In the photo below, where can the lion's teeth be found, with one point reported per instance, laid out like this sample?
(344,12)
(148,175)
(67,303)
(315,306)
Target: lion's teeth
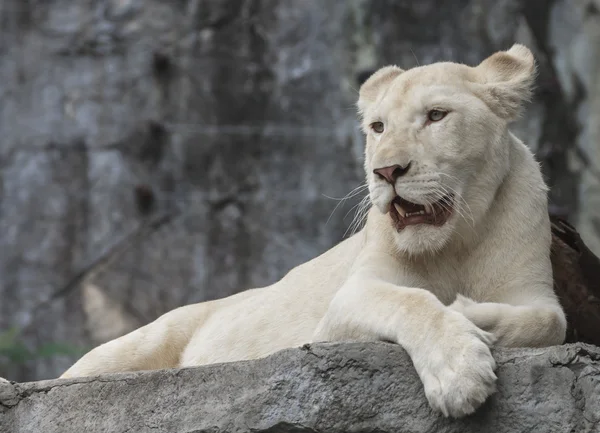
(428,208)
(419,212)
(400,210)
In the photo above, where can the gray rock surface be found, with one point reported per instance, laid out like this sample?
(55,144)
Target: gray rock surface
(330,388)
(157,153)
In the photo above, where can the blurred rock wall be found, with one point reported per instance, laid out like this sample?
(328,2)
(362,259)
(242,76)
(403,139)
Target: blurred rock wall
(156,153)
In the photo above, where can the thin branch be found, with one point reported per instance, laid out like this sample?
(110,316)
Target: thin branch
(108,256)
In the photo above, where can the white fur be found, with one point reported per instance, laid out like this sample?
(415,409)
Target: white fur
(444,293)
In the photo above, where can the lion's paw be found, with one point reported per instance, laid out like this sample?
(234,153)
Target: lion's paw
(458,373)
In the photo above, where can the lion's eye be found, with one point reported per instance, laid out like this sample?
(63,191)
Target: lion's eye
(377,127)
(436,115)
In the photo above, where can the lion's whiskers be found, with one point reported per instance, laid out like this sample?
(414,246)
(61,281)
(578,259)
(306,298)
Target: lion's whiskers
(463,201)
(363,209)
(439,195)
(359,189)
(438,192)
(461,205)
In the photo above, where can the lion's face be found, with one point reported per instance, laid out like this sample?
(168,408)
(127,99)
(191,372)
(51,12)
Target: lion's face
(436,147)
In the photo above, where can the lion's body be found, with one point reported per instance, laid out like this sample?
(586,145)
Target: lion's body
(444,292)
(262,321)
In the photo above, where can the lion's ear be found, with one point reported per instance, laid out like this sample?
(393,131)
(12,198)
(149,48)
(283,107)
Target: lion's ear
(505,80)
(375,84)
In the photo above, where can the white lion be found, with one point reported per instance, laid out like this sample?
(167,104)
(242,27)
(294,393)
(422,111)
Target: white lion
(454,255)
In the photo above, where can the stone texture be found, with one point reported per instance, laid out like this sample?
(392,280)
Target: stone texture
(209,106)
(157,153)
(320,388)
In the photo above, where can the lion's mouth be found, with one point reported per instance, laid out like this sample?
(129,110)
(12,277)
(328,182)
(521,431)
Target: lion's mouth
(405,213)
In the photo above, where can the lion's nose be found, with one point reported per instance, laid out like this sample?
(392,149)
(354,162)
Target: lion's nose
(391,173)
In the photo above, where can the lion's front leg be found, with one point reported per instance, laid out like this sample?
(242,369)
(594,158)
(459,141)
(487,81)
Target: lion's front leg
(537,324)
(450,354)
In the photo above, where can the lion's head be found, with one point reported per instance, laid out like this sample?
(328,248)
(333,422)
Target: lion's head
(437,144)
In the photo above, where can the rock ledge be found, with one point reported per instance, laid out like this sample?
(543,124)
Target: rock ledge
(358,387)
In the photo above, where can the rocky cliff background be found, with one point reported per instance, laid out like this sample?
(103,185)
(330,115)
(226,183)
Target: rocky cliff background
(157,153)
